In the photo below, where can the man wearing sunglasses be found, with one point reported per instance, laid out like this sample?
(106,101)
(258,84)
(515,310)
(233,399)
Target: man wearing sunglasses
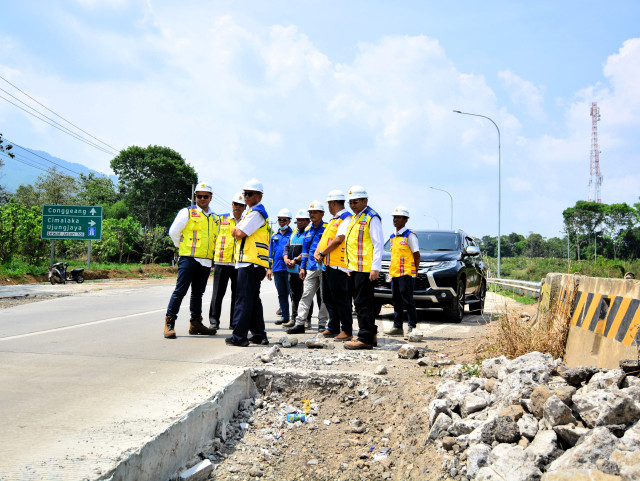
(193,232)
(278,269)
(224,269)
(252,260)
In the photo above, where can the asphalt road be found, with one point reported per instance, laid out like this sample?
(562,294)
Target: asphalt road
(89,377)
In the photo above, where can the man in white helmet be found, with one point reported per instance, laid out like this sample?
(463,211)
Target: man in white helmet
(224,269)
(278,269)
(193,232)
(364,244)
(293,258)
(405,261)
(335,280)
(311,272)
(252,260)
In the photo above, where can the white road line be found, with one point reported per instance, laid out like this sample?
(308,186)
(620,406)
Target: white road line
(76,326)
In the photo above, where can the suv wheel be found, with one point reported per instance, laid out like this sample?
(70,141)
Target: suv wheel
(455,311)
(477,307)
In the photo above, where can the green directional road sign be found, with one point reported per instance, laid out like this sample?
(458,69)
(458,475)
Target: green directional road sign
(79,222)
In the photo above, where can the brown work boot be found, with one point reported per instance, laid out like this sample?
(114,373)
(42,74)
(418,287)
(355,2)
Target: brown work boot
(375,340)
(328,333)
(170,327)
(196,327)
(343,336)
(394,332)
(357,345)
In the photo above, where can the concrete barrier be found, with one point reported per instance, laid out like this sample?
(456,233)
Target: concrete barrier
(605,317)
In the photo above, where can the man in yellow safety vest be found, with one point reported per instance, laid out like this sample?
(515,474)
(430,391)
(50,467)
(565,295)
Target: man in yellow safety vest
(194,232)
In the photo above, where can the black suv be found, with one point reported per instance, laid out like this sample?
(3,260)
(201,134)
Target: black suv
(451,274)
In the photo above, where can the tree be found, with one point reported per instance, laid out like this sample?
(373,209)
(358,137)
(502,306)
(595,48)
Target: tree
(27,195)
(535,245)
(20,233)
(56,188)
(617,218)
(119,237)
(156,182)
(97,190)
(6,150)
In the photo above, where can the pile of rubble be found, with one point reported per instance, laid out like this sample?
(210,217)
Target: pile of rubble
(533,418)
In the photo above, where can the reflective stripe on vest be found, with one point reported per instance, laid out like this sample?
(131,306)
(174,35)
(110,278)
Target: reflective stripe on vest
(225,243)
(358,241)
(198,237)
(336,257)
(402,261)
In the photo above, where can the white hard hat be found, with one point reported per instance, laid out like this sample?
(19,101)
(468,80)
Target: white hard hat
(254,184)
(335,195)
(401,210)
(302,214)
(238,198)
(204,187)
(284,213)
(357,192)
(316,205)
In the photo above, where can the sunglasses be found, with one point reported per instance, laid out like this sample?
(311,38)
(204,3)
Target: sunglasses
(249,194)
(283,220)
(200,196)
(235,204)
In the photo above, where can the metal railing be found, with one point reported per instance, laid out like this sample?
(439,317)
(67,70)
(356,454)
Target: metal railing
(523,288)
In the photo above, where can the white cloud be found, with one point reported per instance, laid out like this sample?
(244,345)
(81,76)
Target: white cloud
(525,93)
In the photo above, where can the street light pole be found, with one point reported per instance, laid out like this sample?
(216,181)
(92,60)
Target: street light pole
(442,190)
(499,177)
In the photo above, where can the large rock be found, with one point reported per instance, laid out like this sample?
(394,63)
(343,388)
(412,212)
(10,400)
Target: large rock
(454,392)
(463,426)
(543,449)
(437,406)
(439,427)
(490,367)
(408,351)
(528,426)
(631,437)
(607,379)
(628,463)
(477,457)
(597,444)
(556,412)
(601,407)
(521,376)
(577,375)
(507,462)
(580,475)
(502,429)
(474,401)
(570,433)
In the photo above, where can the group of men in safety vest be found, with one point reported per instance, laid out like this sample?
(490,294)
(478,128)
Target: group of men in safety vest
(336,262)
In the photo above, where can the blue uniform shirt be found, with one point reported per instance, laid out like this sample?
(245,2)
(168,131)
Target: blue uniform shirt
(311,240)
(276,249)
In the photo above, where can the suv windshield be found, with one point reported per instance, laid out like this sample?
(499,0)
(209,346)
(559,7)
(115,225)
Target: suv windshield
(434,241)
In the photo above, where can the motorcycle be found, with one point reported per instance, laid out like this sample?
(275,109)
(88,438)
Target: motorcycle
(58,274)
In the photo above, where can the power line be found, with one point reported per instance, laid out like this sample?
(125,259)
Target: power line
(43,158)
(57,115)
(53,123)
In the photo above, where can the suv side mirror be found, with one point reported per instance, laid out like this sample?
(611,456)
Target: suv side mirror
(472,251)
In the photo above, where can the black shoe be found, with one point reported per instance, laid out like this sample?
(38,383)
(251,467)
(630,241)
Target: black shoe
(281,321)
(278,312)
(231,342)
(297,329)
(263,341)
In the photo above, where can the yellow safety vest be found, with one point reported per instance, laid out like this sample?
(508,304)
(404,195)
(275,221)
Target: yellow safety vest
(198,238)
(255,247)
(358,241)
(225,243)
(402,262)
(337,256)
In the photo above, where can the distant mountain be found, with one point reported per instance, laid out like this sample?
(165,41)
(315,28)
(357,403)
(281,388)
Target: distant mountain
(16,171)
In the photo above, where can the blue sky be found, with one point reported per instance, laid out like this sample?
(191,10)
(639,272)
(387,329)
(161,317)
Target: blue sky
(310,95)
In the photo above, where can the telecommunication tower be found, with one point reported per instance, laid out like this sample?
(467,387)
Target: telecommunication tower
(595,177)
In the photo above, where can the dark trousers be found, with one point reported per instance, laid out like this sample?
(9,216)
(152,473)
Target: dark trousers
(297,285)
(221,277)
(190,274)
(248,315)
(281,280)
(363,302)
(402,293)
(336,298)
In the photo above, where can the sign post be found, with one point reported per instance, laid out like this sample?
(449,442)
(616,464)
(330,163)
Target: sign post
(77,222)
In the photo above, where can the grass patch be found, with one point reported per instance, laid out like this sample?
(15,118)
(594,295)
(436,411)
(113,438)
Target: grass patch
(513,335)
(512,295)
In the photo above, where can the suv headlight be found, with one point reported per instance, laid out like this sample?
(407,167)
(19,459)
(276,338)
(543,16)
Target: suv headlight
(440,267)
